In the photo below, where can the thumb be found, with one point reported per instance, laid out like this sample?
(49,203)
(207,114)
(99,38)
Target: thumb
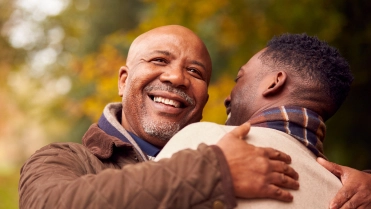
(332,167)
(242,130)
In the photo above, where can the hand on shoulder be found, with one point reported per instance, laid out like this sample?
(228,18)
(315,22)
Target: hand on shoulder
(356,190)
(257,172)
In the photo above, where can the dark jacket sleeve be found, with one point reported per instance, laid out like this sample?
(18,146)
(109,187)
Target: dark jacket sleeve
(62,176)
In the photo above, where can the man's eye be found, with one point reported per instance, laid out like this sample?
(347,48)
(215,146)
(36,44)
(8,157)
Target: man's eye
(238,77)
(195,73)
(159,61)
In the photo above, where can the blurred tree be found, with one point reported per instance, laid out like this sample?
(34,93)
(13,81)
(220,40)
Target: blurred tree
(87,61)
(88,22)
(349,138)
(10,111)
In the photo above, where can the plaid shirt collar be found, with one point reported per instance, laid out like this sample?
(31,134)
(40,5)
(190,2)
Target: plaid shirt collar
(301,123)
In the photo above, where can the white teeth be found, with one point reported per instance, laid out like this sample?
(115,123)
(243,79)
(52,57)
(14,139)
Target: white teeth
(167,101)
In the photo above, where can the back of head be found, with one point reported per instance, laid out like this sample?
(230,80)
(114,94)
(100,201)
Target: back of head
(318,70)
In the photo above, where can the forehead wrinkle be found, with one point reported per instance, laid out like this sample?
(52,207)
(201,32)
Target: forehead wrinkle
(179,34)
(164,52)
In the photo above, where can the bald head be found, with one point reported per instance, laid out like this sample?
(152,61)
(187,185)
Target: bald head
(164,83)
(183,37)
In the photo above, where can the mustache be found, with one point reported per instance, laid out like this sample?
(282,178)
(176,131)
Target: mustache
(169,88)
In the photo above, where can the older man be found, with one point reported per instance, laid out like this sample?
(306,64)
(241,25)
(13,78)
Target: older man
(163,88)
(287,91)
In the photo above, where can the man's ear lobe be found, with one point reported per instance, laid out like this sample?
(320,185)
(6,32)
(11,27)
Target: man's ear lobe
(123,74)
(275,86)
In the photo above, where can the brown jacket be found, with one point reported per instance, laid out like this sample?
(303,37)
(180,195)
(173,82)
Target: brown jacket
(105,172)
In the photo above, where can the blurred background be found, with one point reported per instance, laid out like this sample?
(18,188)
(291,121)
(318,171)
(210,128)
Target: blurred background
(59,62)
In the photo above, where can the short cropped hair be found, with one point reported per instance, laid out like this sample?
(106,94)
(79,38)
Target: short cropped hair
(313,60)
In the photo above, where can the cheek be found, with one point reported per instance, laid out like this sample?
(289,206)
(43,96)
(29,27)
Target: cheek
(133,94)
(143,74)
(233,95)
(137,81)
(201,94)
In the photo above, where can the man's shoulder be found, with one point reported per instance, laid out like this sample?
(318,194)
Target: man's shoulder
(64,155)
(209,132)
(193,135)
(203,124)
(62,149)
(214,129)
(66,146)
(209,127)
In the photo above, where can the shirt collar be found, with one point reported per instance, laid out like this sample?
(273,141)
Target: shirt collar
(147,147)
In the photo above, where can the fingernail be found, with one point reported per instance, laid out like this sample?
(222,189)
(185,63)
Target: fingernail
(297,176)
(333,206)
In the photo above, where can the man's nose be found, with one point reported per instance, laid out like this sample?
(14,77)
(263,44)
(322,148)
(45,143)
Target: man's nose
(227,101)
(177,76)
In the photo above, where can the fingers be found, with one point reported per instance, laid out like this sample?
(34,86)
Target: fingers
(283,181)
(277,193)
(356,189)
(236,135)
(332,167)
(356,201)
(346,199)
(281,167)
(351,199)
(342,199)
(343,195)
(283,176)
(241,131)
(278,155)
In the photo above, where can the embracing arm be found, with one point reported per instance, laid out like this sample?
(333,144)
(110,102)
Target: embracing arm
(57,177)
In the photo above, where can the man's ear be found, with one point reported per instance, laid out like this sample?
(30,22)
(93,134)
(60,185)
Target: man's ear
(276,84)
(123,74)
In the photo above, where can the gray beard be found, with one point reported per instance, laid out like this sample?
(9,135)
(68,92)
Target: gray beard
(160,129)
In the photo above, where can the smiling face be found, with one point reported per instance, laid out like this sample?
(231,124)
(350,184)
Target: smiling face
(164,83)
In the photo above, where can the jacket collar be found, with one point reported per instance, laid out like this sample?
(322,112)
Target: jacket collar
(100,138)
(100,143)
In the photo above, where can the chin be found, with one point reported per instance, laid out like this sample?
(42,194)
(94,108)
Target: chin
(162,130)
(231,122)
